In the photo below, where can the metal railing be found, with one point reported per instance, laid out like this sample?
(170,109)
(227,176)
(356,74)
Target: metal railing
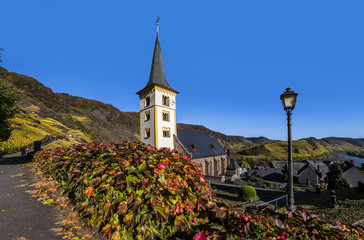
(276,201)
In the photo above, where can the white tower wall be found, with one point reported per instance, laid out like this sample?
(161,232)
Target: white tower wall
(156,123)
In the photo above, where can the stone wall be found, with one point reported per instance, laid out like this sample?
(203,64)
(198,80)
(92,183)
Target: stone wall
(180,148)
(213,166)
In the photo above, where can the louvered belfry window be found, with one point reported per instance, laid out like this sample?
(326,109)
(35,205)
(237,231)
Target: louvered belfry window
(165,100)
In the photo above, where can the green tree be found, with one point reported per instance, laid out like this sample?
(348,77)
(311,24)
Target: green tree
(8,100)
(0,54)
(336,180)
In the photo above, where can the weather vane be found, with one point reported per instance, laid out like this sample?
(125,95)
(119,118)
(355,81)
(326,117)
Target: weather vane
(158,18)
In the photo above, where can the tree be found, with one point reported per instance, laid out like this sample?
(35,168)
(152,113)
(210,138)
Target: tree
(336,180)
(8,100)
(0,54)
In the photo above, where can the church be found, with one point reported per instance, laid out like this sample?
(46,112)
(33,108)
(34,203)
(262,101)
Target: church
(158,126)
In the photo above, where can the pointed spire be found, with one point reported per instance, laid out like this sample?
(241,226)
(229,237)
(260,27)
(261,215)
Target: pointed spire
(158,18)
(157,75)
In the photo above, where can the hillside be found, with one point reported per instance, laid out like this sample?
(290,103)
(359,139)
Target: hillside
(43,113)
(303,149)
(226,140)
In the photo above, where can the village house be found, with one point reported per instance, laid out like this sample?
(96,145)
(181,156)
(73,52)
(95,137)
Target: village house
(353,176)
(316,171)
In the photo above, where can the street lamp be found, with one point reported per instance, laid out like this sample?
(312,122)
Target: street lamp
(288,99)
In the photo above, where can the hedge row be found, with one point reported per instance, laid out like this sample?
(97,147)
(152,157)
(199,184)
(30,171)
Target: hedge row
(132,191)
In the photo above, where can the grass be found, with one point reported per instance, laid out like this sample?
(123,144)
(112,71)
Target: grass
(350,206)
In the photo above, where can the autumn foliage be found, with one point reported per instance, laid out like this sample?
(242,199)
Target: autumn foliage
(132,191)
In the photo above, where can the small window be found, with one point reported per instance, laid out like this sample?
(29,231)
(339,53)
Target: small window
(212,146)
(165,100)
(194,147)
(166,132)
(147,101)
(147,116)
(165,116)
(147,133)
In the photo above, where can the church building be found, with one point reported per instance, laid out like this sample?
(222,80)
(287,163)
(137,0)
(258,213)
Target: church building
(158,126)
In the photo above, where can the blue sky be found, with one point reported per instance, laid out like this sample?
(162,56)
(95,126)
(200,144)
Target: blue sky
(230,60)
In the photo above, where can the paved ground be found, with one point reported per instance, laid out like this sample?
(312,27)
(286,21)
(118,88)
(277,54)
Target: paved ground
(22,217)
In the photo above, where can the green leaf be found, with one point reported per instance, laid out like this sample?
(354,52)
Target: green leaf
(48,201)
(141,168)
(132,178)
(140,192)
(173,199)
(160,211)
(122,208)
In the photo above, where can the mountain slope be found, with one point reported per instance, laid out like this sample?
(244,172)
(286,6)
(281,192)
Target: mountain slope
(92,119)
(307,148)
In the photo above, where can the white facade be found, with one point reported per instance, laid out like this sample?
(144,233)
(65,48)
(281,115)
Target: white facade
(161,122)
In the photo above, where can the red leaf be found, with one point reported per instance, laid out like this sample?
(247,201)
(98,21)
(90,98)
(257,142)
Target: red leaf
(96,181)
(90,191)
(200,236)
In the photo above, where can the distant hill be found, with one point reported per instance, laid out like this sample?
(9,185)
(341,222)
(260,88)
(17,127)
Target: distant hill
(63,120)
(303,149)
(226,140)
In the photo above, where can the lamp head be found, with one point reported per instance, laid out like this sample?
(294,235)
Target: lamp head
(288,99)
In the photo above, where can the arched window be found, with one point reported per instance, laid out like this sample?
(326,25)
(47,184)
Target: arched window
(147,101)
(166,132)
(165,115)
(206,168)
(147,133)
(147,115)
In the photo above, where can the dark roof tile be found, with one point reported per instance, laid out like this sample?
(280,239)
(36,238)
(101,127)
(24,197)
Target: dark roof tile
(203,143)
(157,75)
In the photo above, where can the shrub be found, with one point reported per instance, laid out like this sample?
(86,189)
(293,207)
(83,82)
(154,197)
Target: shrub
(129,190)
(248,194)
(133,191)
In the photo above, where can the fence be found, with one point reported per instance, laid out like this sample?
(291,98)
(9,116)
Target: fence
(276,201)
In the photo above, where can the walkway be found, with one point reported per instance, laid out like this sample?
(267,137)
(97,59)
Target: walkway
(22,217)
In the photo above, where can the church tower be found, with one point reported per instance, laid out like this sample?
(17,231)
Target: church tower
(158,106)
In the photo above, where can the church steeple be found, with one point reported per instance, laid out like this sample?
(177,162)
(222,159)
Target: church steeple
(157,75)
(158,124)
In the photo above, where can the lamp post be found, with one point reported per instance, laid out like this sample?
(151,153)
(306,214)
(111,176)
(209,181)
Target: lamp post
(288,99)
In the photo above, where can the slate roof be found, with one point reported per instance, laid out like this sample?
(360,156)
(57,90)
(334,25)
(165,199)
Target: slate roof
(157,75)
(305,167)
(268,174)
(203,143)
(353,175)
(297,166)
(320,167)
(278,164)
